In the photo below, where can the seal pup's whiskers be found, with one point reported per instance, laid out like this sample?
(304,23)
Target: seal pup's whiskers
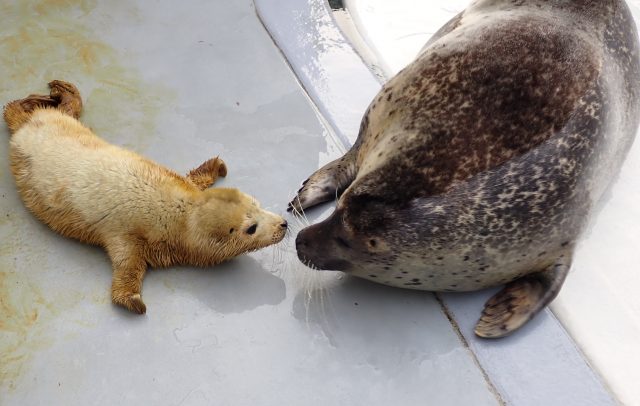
(300,213)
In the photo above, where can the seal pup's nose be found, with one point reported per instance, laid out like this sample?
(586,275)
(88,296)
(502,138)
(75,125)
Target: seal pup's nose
(284,224)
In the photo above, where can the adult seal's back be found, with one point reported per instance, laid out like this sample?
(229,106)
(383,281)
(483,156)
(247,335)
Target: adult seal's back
(480,162)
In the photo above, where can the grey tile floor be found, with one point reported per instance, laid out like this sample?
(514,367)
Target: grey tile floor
(180,83)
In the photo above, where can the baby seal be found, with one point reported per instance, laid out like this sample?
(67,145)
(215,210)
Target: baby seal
(140,212)
(480,162)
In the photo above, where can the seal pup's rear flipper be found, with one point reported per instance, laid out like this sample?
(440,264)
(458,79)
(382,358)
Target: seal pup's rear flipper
(326,183)
(67,96)
(63,96)
(18,112)
(520,300)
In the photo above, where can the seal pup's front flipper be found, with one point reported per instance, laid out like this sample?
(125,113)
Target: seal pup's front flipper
(520,300)
(206,174)
(129,267)
(326,183)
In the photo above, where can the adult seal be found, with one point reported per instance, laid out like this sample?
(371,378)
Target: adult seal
(480,162)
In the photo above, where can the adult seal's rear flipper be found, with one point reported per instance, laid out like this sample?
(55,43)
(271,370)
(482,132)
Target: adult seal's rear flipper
(520,300)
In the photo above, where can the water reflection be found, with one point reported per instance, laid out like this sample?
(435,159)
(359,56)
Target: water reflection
(236,286)
(396,340)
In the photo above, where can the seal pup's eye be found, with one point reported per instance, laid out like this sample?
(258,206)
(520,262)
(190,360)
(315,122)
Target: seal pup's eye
(251,230)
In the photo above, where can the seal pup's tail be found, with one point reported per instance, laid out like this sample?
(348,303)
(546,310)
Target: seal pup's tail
(63,96)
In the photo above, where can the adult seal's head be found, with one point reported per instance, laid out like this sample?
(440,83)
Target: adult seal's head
(480,162)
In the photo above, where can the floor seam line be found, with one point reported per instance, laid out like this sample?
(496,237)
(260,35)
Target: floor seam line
(456,328)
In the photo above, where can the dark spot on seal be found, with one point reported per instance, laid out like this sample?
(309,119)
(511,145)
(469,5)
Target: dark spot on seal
(343,243)
(413,284)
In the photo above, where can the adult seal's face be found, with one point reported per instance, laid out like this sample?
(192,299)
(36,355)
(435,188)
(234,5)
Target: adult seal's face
(341,242)
(324,245)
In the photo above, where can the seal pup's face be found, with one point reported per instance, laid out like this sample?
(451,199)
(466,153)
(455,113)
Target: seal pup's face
(228,222)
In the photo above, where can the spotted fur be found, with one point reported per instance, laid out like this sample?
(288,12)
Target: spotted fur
(480,162)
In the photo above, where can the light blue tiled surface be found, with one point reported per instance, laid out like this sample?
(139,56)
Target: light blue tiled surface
(181,82)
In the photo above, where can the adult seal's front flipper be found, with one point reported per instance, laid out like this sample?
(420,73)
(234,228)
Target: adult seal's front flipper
(326,183)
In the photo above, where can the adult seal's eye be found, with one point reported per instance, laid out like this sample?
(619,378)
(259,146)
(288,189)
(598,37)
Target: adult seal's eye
(252,230)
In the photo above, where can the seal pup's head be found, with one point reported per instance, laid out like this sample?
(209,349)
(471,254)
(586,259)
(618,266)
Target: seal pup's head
(226,222)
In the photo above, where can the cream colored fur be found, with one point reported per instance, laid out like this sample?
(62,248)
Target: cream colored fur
(139,211)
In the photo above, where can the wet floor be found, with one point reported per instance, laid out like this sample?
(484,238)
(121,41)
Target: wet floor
(180,84)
